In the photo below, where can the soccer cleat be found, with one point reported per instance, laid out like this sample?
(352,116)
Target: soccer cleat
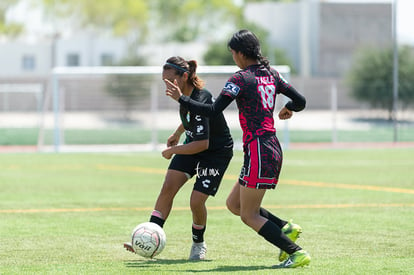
(129,247)
(292,231)
(198,251)
(297,259)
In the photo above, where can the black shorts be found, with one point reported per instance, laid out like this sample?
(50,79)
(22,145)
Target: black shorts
(208,168)
(262,163)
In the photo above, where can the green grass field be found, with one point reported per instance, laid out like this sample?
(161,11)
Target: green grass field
(70,214)
(130,135)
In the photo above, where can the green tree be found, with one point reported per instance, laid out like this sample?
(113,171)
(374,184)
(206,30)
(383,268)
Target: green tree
(129,89)
(119,16)
(159,20)
(127,18)
(6,28)
(218,53)
(371,78)
(188,20)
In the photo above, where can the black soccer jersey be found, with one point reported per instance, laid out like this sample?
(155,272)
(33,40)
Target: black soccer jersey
(199,127)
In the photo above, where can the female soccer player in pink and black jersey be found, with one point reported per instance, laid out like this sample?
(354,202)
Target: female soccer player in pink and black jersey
(254,88)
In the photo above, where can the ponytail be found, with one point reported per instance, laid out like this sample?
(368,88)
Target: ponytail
(193,78)
(264,61)
(181,66)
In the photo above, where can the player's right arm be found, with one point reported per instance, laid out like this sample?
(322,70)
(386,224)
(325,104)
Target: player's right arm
(190,148)
(175,137)
(199,130)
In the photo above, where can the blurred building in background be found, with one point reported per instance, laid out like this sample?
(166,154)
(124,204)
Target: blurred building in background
(320,37)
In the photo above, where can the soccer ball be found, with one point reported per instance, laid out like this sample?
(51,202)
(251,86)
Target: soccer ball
(148,239)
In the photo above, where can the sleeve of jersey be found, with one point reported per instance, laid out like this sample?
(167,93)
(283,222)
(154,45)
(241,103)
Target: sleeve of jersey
(209,110)
(297,101)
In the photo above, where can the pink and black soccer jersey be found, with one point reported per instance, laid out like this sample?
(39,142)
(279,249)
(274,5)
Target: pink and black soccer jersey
(254,89)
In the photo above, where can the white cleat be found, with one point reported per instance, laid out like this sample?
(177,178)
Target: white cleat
(198,251)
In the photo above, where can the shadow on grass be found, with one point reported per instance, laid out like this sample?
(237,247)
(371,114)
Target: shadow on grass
(158,262)
(152,262)
(231,268)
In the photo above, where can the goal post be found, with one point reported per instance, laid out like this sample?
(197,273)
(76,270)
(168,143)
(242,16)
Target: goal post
(84,90)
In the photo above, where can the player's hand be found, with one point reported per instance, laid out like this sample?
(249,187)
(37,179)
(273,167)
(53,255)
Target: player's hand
(285,113)
(172,90)
(166,153)
(173,140)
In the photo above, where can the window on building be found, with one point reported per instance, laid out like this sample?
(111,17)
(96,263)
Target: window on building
(72,60)
(107,59)
(28,62)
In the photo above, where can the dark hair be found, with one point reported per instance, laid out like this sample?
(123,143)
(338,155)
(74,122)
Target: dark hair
(248,44)
(181,66)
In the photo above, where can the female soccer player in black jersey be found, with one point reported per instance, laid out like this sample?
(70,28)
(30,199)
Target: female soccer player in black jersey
(254,88)
(206,153)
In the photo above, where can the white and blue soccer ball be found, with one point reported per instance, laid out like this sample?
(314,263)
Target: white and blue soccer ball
(148,239)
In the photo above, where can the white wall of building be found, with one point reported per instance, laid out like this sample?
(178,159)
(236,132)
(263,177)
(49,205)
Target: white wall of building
(24,59)
(90,51)
(292,27)
(21,58)
(157,54)
(89,48)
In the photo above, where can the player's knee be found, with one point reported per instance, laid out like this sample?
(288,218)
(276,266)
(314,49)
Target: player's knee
(195,204)
(170,188)
(233,207)
(248,217)
(198,200)
(245,219)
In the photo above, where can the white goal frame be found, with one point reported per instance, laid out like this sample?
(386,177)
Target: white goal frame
(59,73)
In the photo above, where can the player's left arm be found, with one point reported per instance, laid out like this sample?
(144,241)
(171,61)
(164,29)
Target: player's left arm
(205,109)
(297,101)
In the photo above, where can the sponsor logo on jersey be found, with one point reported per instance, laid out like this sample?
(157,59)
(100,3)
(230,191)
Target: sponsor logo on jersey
(189,133)
(232,88)
(200,128)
